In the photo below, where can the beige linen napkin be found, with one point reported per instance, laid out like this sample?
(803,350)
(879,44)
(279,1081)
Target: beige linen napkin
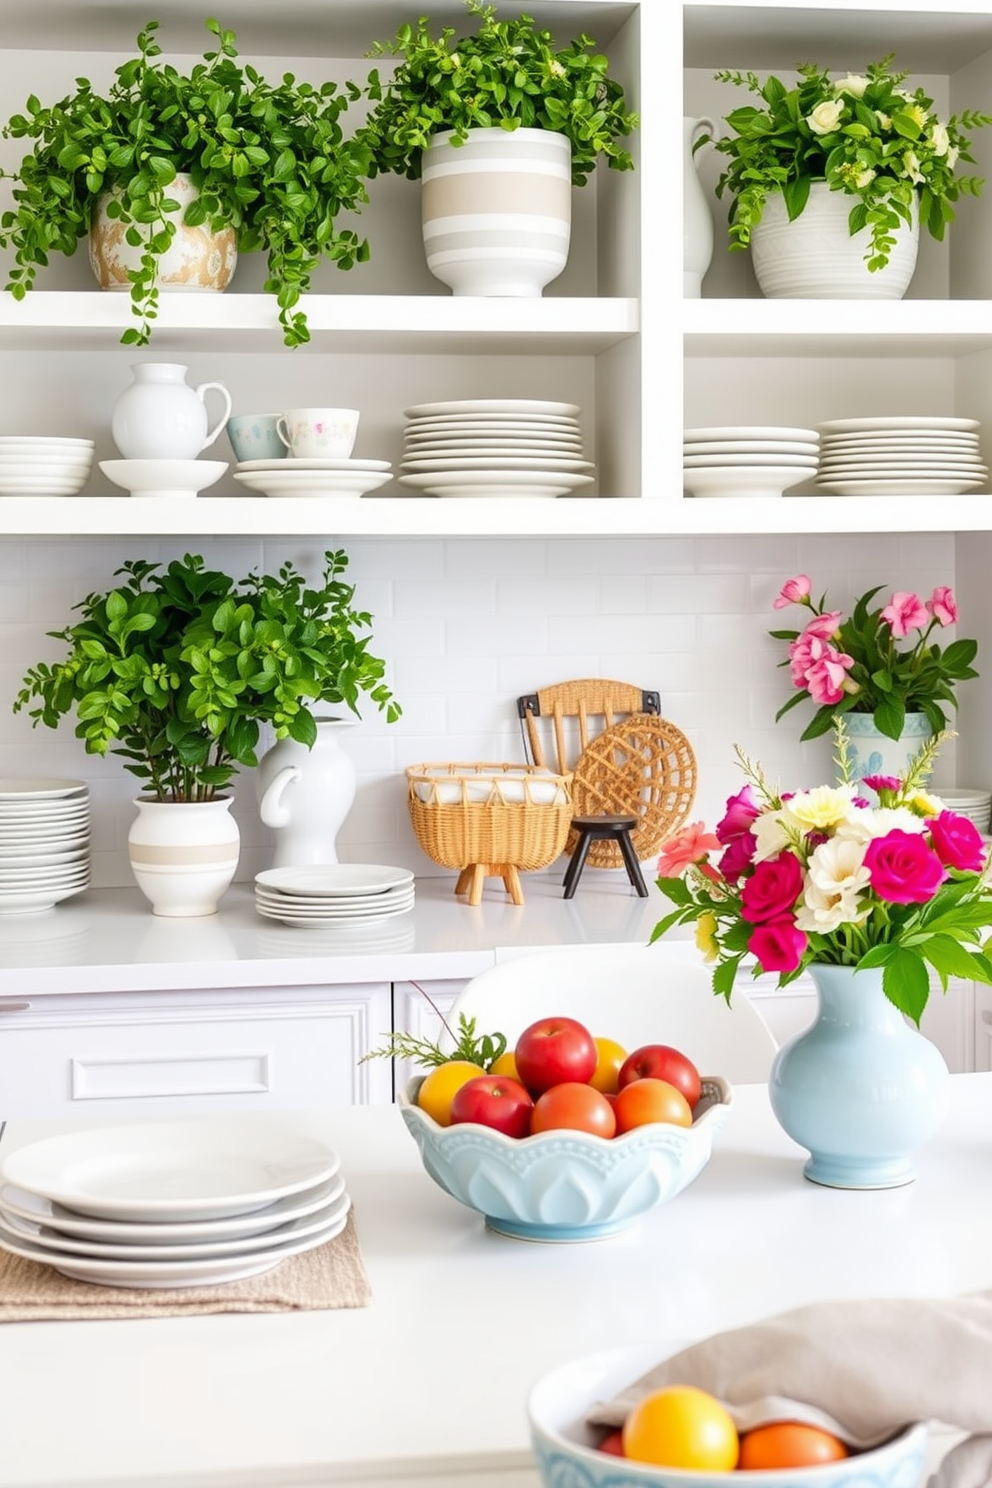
(332,1275)
(860,1369)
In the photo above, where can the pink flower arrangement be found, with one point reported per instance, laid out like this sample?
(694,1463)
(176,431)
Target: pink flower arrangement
(853,664)
(821,875)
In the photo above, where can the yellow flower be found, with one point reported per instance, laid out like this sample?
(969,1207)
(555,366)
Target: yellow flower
(706,941)
(923,803)
(822,807)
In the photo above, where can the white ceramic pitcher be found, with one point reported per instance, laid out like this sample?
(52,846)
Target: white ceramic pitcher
(160,417)
(305,794)
(697,219)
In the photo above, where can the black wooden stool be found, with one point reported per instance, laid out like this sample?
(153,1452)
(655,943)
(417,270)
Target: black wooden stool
(599,829)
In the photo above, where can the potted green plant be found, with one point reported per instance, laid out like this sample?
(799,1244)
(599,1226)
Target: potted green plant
(174,669)
(268,162)
(863,144)
(453,101)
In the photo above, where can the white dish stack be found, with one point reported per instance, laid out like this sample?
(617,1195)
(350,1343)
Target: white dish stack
(44,843)
(905,455)
(495,447)
(334,894)
(171,1204)
(44,465)
(298,476)
(747,461)
(976,805)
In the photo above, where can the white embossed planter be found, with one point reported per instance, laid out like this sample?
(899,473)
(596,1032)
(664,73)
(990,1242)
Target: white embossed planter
(183,854)
(816,258)
(497,210)
(197,259)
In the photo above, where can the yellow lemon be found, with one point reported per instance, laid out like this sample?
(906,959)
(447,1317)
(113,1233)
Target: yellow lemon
(438,1090)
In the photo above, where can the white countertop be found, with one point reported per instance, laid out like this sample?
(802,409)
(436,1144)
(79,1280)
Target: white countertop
(428,1384)
(113,942)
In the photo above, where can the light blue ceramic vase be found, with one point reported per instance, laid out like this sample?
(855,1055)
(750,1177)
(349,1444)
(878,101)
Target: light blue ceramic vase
(872,753)
(861,1088)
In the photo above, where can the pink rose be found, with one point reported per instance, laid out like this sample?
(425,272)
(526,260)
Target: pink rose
(741,811)
(957,842)
(738,856)
(794,591)
(772,889)
(825,678)
(687,847)
(943,606)
(905,612)
(777,945)
(903,869)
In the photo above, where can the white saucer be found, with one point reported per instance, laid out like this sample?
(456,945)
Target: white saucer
(171,479)
(500,462)
(906,487)
(897,421)
(715,462)
(752,431)
(499,483)
(743,480)
(515,406)
(292,482)
(291,463)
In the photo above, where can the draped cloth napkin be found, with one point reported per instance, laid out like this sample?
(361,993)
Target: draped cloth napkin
(862,1370)
(329,1276)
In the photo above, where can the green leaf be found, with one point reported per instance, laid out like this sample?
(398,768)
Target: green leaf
(905,982)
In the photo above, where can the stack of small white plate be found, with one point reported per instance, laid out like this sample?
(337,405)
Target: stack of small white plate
(976,805)
(495,447)
(171,1204)
(747,461)
(295,476)
(906,455)
(44,842)
(334,894)
(43,465)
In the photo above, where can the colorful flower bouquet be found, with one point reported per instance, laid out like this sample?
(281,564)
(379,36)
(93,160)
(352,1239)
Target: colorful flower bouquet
(819,875)
(854,664)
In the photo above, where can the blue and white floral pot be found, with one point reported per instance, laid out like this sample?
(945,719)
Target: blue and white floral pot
(862,1088)
(872,753)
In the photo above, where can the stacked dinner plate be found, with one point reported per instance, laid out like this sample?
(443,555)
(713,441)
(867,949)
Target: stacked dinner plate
(906,455)
(296,476)
(495,447)
(976,805)
(43,465)
(747,461)
(340,894)
(44,842)
(171,1204)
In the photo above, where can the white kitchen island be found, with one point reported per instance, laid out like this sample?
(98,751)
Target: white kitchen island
(427,1385)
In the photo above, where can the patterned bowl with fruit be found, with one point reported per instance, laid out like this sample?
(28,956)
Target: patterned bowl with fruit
(569,1450)
(566,1185)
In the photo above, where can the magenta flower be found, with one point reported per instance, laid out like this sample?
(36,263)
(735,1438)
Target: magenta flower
(881,783)
(905,612)
(943,606)
(772,889)
(957,842)
(738,856)
(777,945)
(825,678)
(740,812)
(794,591)
(903,869)
(689,846)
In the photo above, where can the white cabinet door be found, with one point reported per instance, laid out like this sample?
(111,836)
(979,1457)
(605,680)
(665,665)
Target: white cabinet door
(235,1049)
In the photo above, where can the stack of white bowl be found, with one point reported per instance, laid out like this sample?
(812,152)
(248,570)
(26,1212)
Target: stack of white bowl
(44,842)
(975,804)
(748,460)
(44,465)
(171,1204)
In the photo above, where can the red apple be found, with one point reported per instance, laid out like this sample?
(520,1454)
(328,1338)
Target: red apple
(553,1051)
(661,1062)
(496,1101)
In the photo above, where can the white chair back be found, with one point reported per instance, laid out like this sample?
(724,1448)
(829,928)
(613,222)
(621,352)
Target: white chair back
(636,994)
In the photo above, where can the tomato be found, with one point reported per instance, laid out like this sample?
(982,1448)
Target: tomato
(496,1101)
(505,1065)
(644,1101)
(681,1426)
(438,1089)
(575,1107)
(613,1443)
(789,1444)
(609,1057)
(554,1050)
(662,1062)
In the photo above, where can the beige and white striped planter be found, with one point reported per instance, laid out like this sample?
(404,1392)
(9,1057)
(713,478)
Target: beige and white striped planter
(497,210)
(196,259)
(183,854)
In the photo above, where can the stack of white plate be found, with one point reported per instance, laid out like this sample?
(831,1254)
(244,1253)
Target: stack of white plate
(43,465)
(906,455)
(495,447)
(174,1204)
(976,805)
(747,461)
(326,894)
(295,476)
(44,842)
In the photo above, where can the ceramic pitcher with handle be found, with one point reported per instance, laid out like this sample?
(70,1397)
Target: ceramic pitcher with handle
(305,794)
(160,417)
(697,219)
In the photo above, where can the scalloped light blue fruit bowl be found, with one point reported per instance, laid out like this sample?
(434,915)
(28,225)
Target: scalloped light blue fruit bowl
(566,1185)
(565,1448)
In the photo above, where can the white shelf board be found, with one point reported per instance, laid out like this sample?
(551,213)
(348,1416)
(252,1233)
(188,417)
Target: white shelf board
(876,328)
(103,516)
(93,320)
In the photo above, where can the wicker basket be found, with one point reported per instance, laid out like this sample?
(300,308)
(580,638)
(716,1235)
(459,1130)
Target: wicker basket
(489,820)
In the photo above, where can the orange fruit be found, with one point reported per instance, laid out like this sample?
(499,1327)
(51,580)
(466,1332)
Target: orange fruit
(789,1444)
(681,1426)
(438,1090)
(647,1100)
(609,1057)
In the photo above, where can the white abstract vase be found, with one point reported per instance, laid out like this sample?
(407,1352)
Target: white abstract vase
(697,219)
(815,257)
(305,794)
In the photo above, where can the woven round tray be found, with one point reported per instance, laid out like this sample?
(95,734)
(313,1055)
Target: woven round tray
(643,767)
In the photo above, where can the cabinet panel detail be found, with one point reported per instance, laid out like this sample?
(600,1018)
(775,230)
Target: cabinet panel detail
(240,1072)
